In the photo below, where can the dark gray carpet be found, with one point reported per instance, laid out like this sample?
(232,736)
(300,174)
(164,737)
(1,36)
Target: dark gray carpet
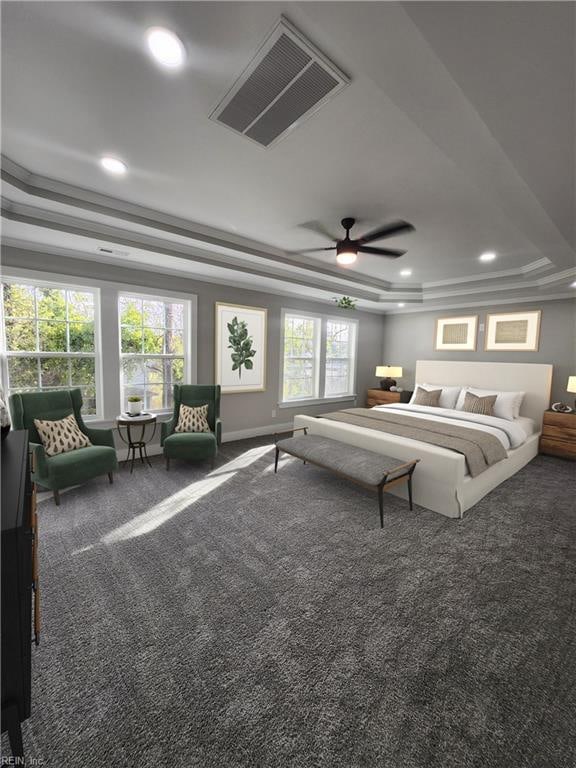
(270,622)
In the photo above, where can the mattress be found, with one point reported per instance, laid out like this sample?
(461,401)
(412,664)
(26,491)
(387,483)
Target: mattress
(511,434)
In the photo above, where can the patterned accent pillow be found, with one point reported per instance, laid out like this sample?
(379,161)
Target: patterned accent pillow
(427,397)
(192,419)
(483,405)
(61,436)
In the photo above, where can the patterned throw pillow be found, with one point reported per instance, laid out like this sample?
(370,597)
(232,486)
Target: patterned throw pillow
(192,419)
(61,436)
(427,397)
(483,405)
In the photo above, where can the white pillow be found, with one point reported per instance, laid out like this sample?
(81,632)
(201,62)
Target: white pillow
(448,397)
(507,405)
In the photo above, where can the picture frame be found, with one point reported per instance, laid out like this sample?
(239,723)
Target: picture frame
(513,331)
(456,334)
(240,348)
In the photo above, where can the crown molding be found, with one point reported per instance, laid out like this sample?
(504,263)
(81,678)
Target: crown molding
(537,300)
(232,253)
(78,197)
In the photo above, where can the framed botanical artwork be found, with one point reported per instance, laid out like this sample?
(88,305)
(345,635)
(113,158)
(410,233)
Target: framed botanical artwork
(240,348)
(513,331)
(456,334)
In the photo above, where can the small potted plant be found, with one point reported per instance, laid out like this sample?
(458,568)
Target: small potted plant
(134,405)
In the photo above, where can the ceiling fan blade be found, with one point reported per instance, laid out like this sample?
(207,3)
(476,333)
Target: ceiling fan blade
(392,253)
(313,250)
(394,228)
(318,228)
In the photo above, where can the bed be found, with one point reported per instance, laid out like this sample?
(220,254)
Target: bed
(442,482)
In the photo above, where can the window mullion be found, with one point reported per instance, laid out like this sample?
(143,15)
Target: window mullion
(322,358)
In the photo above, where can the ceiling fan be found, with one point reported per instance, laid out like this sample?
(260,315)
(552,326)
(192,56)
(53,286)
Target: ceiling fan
(347,249)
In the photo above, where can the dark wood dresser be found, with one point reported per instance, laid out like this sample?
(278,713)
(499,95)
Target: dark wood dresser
(384,396)
(559,435)
(20,587)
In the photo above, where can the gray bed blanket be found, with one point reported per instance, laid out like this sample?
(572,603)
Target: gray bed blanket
(480,449)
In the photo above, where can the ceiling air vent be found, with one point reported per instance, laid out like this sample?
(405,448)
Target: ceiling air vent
(112,251)
(285,82)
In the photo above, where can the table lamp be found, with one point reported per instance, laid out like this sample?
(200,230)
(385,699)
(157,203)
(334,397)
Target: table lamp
(388,371)
(571,387)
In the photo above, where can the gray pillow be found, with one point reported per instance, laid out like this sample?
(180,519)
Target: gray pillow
(483,405)
(427,397)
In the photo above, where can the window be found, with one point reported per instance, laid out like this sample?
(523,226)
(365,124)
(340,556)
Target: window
(319,357)
(50,339)
(340,357)
(153,340)
(301,347)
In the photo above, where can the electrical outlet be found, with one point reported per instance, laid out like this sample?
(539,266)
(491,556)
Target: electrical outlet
(273,414)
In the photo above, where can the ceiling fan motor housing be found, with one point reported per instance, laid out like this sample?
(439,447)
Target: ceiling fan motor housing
(346,246)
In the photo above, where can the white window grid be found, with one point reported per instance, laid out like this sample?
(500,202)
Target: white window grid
(125,388)
(41,355)
(308,362)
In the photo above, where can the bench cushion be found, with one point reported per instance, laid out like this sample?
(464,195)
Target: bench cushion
(359,464)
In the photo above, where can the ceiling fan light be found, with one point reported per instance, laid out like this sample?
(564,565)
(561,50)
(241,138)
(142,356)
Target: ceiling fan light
(346,257)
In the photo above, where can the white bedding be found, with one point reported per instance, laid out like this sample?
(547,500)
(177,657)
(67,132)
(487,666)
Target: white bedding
(511,434)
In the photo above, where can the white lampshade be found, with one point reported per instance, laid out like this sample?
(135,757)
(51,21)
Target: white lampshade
(391,371)
(571,386)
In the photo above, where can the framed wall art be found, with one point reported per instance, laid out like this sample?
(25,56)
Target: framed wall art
(240,348)
(513,331)
(456,334)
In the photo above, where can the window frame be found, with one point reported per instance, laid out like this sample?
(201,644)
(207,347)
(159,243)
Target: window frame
(108,328)
(186,341)
(320,397)
(317,319)
(353,358)
(96,355)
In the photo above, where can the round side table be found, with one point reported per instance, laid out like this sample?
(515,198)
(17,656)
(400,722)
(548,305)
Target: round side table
(143,421)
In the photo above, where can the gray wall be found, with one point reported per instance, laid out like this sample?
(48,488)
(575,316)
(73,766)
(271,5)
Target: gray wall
(410,337)
(239,411)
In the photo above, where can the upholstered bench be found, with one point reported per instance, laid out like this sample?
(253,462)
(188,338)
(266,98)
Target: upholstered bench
(367,468)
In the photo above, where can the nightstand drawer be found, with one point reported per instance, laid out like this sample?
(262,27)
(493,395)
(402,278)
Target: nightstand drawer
(558,431)
(561,448)
(560,419)
(381,397)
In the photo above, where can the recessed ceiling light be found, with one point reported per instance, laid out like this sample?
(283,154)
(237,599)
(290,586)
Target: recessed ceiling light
(166,47)
(113,165)
(401,304)
(406,273)
(573,285)
(488,256)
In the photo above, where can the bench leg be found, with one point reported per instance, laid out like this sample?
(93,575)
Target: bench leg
(410,491)
(276,460)
(381,504)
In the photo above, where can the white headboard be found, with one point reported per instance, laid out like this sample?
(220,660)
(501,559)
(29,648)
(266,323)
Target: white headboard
(533,378)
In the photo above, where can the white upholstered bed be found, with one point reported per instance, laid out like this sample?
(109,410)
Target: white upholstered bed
(441,482)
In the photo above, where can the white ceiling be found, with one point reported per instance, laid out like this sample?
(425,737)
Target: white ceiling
(459,118)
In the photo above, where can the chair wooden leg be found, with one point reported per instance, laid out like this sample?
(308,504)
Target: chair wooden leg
(167,463)
(213,462)
(57,498)
(111,477)
(410,490)
(276,460)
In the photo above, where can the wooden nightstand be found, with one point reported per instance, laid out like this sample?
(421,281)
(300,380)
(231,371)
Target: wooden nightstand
(559,435)
(384,397)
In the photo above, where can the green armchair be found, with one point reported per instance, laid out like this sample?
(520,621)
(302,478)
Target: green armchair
(73,467)
(194,446)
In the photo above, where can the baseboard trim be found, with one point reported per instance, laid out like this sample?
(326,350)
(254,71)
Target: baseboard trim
(242,434)
(155,449)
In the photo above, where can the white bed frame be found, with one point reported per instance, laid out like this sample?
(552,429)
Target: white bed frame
(440,481)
